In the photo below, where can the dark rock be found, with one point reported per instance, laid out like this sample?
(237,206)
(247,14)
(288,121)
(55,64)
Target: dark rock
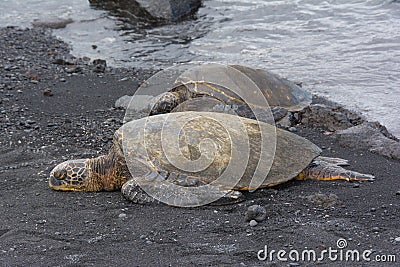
(173,10)
(330,117)
(99,65)
(150,10)
(256,212)
(73,69)
(123,102)
(64,61)
(372,136)
(32,75)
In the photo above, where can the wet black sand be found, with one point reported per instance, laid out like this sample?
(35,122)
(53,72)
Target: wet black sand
(41,227)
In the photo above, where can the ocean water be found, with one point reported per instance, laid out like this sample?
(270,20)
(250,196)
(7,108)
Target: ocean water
(346,50)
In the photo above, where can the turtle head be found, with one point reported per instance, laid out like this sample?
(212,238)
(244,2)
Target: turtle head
(71,175)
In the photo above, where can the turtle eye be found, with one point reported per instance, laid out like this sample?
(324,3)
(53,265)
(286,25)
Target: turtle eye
(59,174)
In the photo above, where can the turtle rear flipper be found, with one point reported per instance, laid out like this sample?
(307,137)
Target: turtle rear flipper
(324,171)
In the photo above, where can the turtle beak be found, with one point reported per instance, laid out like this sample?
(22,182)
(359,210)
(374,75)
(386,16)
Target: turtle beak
(69,176)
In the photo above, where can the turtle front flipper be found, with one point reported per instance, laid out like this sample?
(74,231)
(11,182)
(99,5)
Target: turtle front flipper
(132,191)
(324,171)
(279,113)
(180,191)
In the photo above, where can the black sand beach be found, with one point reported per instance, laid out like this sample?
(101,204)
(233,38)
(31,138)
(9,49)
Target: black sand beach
(54,107)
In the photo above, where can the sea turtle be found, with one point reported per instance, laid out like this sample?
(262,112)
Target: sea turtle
(193,158)
(249,92)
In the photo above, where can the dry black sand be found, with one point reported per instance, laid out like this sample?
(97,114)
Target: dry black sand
(41,227)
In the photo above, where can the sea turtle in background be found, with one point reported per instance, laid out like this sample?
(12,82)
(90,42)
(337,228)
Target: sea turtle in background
(248,92)
(146,152)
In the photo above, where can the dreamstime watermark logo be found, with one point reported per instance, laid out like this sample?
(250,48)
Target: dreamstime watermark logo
(340,253)
(194,158)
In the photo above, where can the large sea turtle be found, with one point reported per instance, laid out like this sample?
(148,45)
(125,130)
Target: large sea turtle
(193,158)
(248,92)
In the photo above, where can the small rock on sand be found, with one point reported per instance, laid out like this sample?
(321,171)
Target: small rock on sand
(253,223)
(140,103)
(326,200)
(256,213)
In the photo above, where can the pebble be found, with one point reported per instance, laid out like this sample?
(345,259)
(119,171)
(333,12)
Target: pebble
(62,61)
(398,193)
(99,65)
(256,212)
(292,129)
(373,209)
(397,239)
(74,69)
(356,185)
(375,229)
(253,223)
(122,215)
(47,92)
(63,80)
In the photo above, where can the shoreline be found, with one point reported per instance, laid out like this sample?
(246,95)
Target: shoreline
(55,107)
